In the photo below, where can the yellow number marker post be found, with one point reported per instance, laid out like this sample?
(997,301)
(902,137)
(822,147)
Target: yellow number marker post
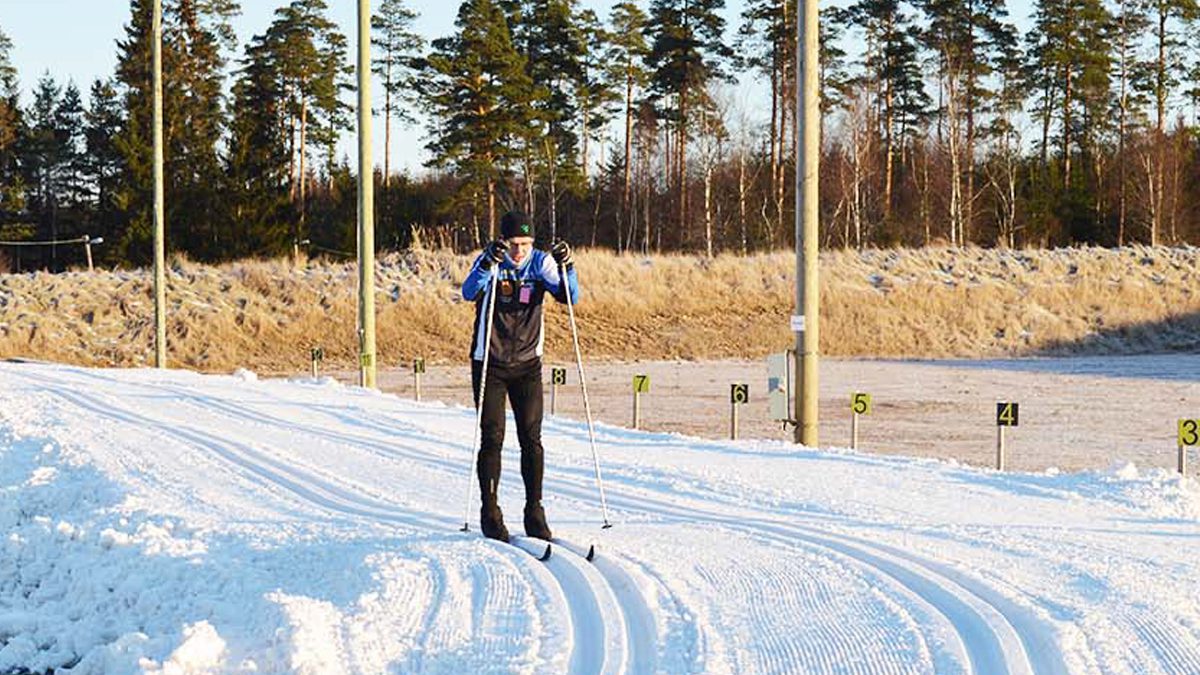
(557,376)
(317,354)
(641,385)
(860,404)
(1007,415)
(739,394)
(1188,437)
(418,371)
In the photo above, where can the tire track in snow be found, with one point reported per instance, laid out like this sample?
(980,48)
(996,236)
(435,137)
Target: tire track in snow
(583,600)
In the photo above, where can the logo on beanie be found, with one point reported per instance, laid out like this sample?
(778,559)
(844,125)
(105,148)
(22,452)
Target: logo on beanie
(525,228)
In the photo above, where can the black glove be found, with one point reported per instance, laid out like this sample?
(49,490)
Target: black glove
(493,253)
(561,251)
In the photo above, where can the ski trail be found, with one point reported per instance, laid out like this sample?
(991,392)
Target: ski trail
(992,642)
(630,631)
(986,648)
(599,635)
(592,612)
(983,646)
(958,619)
(635,611)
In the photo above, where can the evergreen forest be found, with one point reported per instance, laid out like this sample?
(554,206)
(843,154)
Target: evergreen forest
(942,124)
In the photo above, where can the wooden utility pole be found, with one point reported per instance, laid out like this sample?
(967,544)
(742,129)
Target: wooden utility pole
(366,203)
(160,283)
(806,323)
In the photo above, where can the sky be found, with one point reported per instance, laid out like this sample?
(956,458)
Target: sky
(83,48)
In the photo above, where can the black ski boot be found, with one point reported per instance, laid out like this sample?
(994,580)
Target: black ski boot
(491,522)
(535,521)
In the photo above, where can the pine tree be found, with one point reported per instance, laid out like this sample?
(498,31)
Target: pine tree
(894,74)
(398,51)
(1129,24)
(688,54)
(256,168)
(1168,19)
(479,97)
(102,164)
(554,44)
(310,58)
(12,188)
(767,43)
(69,132)
(1069,68)
(967,36)
(594,93)
(41,154)
(627,72)
(197,29)
(194,32)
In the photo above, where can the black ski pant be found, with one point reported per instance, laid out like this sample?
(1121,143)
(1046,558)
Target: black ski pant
(521,383)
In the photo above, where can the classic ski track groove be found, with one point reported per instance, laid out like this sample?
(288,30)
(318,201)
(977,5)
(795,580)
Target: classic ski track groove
(638,620)
(943,600)
(1014,637)
(592,606)
(269,420)
(626,604)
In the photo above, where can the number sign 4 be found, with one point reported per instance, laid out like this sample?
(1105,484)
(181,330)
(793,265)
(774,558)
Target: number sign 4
(1007,414)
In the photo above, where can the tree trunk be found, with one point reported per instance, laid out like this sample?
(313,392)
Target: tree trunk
(742,197)
(626,213)
(584,150)
(889,150)
(1160,105)
(303,155)
(491,196)
(775,150)
(1066,134)
(681,167)
(387,121)
(1122,123)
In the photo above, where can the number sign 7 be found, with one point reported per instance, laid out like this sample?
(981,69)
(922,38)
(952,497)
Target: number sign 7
(641,383)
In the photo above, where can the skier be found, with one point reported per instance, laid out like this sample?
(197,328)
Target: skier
(514,359)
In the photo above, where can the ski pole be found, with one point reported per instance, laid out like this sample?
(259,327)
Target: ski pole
(587,408)
(487,348)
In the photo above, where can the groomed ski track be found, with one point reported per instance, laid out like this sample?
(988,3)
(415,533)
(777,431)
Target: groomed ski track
(751,557)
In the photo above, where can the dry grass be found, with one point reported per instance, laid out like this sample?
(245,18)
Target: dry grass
(913,303)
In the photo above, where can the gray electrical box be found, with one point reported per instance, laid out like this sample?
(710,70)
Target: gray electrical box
(779,385)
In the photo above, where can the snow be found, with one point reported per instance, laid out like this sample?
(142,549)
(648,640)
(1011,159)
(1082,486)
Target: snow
(169,522)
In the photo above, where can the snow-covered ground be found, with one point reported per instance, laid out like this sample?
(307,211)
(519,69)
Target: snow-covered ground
(171,522)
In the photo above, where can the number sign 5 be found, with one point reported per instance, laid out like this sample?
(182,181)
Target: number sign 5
(860,403)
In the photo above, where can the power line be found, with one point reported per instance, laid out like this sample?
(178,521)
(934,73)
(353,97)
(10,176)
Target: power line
(51,242)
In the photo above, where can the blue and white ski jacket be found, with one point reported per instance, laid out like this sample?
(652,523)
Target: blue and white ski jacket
(518,328)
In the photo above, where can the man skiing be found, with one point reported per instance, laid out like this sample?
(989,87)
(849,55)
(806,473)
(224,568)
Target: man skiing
(514,366)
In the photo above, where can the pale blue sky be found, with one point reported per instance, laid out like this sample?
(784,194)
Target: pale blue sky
(76,40)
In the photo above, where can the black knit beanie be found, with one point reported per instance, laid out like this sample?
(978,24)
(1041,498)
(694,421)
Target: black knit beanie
(515,224)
